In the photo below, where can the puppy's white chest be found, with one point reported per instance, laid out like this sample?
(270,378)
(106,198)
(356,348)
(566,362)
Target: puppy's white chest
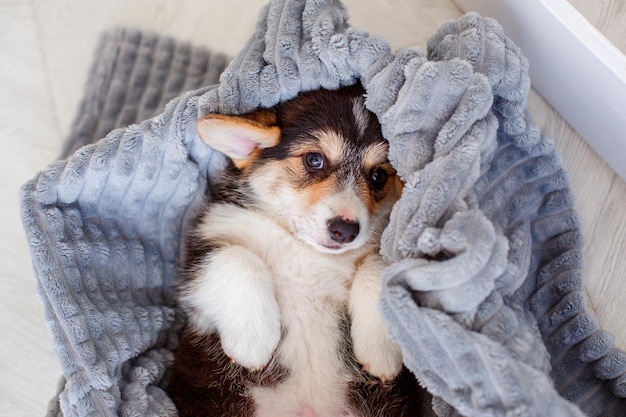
(305,275)
(311,291)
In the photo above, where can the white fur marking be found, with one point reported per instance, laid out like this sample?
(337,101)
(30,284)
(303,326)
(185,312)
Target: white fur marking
(235,296)
(360,114)
(373,347)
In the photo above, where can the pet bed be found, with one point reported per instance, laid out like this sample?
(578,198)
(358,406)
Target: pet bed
(484,292)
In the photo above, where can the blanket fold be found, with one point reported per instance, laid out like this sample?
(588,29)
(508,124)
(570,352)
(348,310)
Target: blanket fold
(484,291)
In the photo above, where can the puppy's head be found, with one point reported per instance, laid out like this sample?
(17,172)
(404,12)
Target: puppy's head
(316,164)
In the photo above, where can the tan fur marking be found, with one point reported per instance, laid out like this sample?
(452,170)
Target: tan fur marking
(291,170)
(375,155)
(320,190)
(332,145)
(264,117)
(288,172)
(364,191)
(246,164)
(398,186)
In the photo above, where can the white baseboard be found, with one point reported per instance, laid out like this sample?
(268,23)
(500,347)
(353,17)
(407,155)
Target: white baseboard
(572,65)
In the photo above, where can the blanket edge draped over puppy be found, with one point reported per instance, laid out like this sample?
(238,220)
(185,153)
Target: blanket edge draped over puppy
(484,292)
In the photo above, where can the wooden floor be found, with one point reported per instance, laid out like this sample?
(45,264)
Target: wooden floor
(608,16)
(46,47)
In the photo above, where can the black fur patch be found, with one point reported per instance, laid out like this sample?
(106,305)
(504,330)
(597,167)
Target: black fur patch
(320,111)
(207,384)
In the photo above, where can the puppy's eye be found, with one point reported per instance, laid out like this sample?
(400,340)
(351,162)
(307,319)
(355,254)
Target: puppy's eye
(378,177)
(313,161)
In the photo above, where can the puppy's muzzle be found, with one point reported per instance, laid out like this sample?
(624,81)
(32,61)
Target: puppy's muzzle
(342,230)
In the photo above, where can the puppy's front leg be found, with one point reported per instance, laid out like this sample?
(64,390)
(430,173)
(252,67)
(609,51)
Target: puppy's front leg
(373,348)
(235,296)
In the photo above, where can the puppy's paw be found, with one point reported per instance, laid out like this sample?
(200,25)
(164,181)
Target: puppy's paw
(252,346)
(377,353)
(234,294)
(373,348)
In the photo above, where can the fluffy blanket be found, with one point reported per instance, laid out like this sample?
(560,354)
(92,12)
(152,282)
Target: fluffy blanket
(484,292)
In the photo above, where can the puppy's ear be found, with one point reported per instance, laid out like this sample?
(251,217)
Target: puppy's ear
(239,136)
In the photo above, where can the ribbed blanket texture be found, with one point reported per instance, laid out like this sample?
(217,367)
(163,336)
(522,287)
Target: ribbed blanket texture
(484,290)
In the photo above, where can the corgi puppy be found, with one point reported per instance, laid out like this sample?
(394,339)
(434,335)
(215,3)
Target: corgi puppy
(281,284)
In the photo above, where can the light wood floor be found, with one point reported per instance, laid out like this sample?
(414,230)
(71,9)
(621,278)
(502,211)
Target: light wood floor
(46,47)
(609,17)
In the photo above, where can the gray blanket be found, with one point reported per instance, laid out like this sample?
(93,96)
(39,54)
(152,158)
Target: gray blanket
(484,293)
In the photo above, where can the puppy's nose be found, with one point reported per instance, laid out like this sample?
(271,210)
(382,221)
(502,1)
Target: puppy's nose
(341,230)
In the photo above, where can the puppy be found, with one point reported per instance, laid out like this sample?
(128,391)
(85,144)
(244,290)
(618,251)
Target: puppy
(281,283)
